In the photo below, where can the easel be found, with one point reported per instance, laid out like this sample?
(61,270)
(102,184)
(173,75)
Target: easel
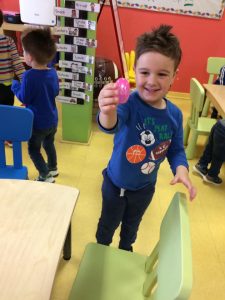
(119,39)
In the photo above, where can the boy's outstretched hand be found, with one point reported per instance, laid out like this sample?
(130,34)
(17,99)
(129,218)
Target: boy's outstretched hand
(182,176)
(108,100)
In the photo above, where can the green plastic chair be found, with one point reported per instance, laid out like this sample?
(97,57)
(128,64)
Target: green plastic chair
(195,124)
(214,64)
(107,273)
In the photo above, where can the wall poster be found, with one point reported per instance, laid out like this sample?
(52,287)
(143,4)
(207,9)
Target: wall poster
(199,8)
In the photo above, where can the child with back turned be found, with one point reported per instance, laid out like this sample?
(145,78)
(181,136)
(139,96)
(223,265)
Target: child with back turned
(148,129)
(37,91)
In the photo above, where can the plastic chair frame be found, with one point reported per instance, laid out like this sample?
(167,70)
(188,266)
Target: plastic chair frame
(195,124)
(107,273)
(16,126)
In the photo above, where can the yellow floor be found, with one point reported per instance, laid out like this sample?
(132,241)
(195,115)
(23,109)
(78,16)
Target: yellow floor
(80,166)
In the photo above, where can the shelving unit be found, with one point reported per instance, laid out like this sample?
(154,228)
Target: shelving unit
(76,119)
(13,27)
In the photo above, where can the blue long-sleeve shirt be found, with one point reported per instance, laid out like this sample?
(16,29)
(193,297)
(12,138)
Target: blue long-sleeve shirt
(144,136)
(37,91)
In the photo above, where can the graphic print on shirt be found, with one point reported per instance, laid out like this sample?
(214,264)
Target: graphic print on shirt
(135,154)
(160,150)
(146,136)
(148,167)
(154,146)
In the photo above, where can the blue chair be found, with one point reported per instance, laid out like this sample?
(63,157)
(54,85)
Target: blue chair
(15,125)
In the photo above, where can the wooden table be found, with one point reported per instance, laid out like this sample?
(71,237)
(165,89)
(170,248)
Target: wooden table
(34,220)
(216,94)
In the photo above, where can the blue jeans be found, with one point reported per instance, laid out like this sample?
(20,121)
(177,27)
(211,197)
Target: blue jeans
(214,152)
(127,209)
(45,138)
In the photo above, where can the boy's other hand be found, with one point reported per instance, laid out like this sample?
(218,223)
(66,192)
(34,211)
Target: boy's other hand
(182,176)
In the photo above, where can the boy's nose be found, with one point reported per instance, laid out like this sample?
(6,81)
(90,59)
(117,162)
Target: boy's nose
(151,79)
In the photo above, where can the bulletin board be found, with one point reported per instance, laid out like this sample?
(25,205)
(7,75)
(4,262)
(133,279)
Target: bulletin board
(199,8)
(77,45)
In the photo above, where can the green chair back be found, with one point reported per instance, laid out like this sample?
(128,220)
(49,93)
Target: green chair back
(196,125)
(107,273)
(174,268)
(214,64)
(197,95)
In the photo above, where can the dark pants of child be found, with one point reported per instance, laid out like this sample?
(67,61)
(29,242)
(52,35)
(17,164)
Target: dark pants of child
(214,152)
(43,137)
(128,209)
(6,95)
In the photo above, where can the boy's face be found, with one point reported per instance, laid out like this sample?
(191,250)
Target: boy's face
(154,75)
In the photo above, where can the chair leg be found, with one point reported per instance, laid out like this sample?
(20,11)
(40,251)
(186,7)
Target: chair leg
(67,245)
(186,134)
(205,109)
(190,150)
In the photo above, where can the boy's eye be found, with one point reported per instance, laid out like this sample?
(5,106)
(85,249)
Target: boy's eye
(144,73)
(162,74)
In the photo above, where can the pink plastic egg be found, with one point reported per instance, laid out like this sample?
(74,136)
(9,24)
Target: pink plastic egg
(124,89)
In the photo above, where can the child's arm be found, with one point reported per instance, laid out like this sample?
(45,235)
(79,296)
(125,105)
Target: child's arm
(177,158)
(19,91)
(182,176)
(16,61)
(108,101)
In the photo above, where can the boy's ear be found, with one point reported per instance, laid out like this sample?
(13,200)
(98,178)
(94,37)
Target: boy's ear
(174,75)
(29,57)
(176,72)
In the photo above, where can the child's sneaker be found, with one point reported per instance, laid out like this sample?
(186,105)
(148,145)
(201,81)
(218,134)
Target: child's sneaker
(200,170)
(48,178)
(214,180)
(53,173)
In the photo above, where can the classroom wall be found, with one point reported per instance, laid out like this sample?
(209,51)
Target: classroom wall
(200,38)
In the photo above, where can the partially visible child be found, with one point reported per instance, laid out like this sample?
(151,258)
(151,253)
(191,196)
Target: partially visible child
(10,65)
(220,81)
(148,129)
(213,155)
(37,91)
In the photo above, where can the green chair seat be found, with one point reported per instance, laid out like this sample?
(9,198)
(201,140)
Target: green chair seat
(205,125)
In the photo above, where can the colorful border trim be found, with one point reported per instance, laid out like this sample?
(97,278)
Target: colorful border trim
(175,11)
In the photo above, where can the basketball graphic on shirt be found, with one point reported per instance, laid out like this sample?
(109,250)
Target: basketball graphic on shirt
(135,154)
(160,150)
(148,167)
